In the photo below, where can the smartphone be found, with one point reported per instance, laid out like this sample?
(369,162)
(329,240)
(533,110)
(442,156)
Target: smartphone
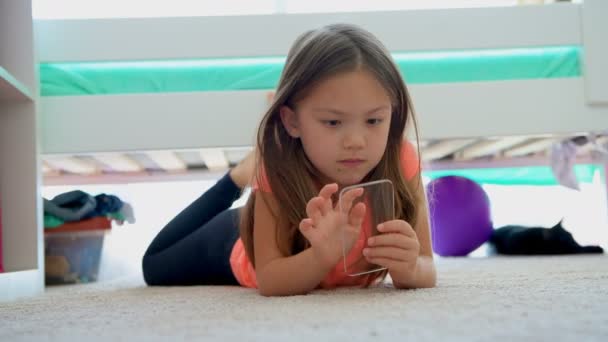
(378,197)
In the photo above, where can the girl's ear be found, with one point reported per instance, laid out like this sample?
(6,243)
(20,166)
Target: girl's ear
(290,121)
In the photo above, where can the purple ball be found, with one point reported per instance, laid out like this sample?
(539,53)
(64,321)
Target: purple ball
(459,211)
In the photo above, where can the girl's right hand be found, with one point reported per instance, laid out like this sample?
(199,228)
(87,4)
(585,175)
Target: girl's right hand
(328,228)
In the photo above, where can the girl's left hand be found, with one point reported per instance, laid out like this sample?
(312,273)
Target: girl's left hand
(396,248)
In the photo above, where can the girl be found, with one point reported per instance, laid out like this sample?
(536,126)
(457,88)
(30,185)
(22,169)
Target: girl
(337,119)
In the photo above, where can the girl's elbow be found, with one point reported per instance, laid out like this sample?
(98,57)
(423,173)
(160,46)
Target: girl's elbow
(276,291)
(431,284)
(273,289)
(265,290)
(266,287)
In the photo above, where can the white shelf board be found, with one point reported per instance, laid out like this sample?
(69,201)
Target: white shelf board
(20,284)
(12,89)
(410,30)
(199,119)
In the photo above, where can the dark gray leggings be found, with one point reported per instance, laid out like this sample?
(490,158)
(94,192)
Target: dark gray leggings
(194,248)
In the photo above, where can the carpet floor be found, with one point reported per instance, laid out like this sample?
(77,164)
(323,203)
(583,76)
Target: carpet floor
(557,298)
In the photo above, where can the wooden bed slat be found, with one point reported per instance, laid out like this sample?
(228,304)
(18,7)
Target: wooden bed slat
(214,158)
(167,160)
(444,148)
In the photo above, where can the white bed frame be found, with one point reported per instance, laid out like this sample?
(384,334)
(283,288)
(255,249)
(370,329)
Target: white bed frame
(105,123)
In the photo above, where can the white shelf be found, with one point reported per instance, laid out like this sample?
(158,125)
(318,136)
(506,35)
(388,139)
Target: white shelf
(65,116)
(12,89)
(19,284)
(22,239)
(22,247)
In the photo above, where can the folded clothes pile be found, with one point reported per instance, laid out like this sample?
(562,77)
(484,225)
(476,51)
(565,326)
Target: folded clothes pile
(79,206)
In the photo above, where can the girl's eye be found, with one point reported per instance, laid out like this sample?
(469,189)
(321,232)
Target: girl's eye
(331,123)
(374,121)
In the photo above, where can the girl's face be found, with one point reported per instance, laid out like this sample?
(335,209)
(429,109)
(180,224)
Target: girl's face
(343,124)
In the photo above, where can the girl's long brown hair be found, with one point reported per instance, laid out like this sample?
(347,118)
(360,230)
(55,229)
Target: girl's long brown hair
(315,56)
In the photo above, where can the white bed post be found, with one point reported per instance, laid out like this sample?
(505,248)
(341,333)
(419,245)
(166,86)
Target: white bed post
(606,182)
(595,31)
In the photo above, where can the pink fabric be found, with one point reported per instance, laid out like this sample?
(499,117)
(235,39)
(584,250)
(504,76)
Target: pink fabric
(244,271)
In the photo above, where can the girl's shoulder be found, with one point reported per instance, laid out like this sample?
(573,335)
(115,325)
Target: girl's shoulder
(260,182)
(409,160)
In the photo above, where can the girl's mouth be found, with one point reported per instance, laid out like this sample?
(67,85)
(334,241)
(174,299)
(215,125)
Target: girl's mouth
(351,162)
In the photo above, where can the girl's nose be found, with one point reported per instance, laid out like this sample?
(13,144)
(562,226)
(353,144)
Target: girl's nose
(354,140)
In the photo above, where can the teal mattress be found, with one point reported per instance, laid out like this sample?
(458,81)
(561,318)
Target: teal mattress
(92,78)
(528,175)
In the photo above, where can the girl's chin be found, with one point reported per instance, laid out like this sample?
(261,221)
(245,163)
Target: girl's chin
(343,180)
(349,181)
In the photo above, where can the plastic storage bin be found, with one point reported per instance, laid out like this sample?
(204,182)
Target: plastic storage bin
(72,252)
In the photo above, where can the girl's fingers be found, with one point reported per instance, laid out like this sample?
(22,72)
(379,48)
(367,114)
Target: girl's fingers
(306,225)
(326,206)
(384,262)
(306,228)
(314,208)
(390,253)
(391,239)
(346,201)
(397,226)
(355,218)
(326,192)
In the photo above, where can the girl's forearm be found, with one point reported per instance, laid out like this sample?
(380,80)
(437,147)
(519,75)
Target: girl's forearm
(297,274)
(425,275)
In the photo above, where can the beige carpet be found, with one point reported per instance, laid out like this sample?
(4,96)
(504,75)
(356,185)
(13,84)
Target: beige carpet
(477,299)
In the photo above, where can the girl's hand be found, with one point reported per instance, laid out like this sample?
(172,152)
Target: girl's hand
(328,228)
(396,248)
